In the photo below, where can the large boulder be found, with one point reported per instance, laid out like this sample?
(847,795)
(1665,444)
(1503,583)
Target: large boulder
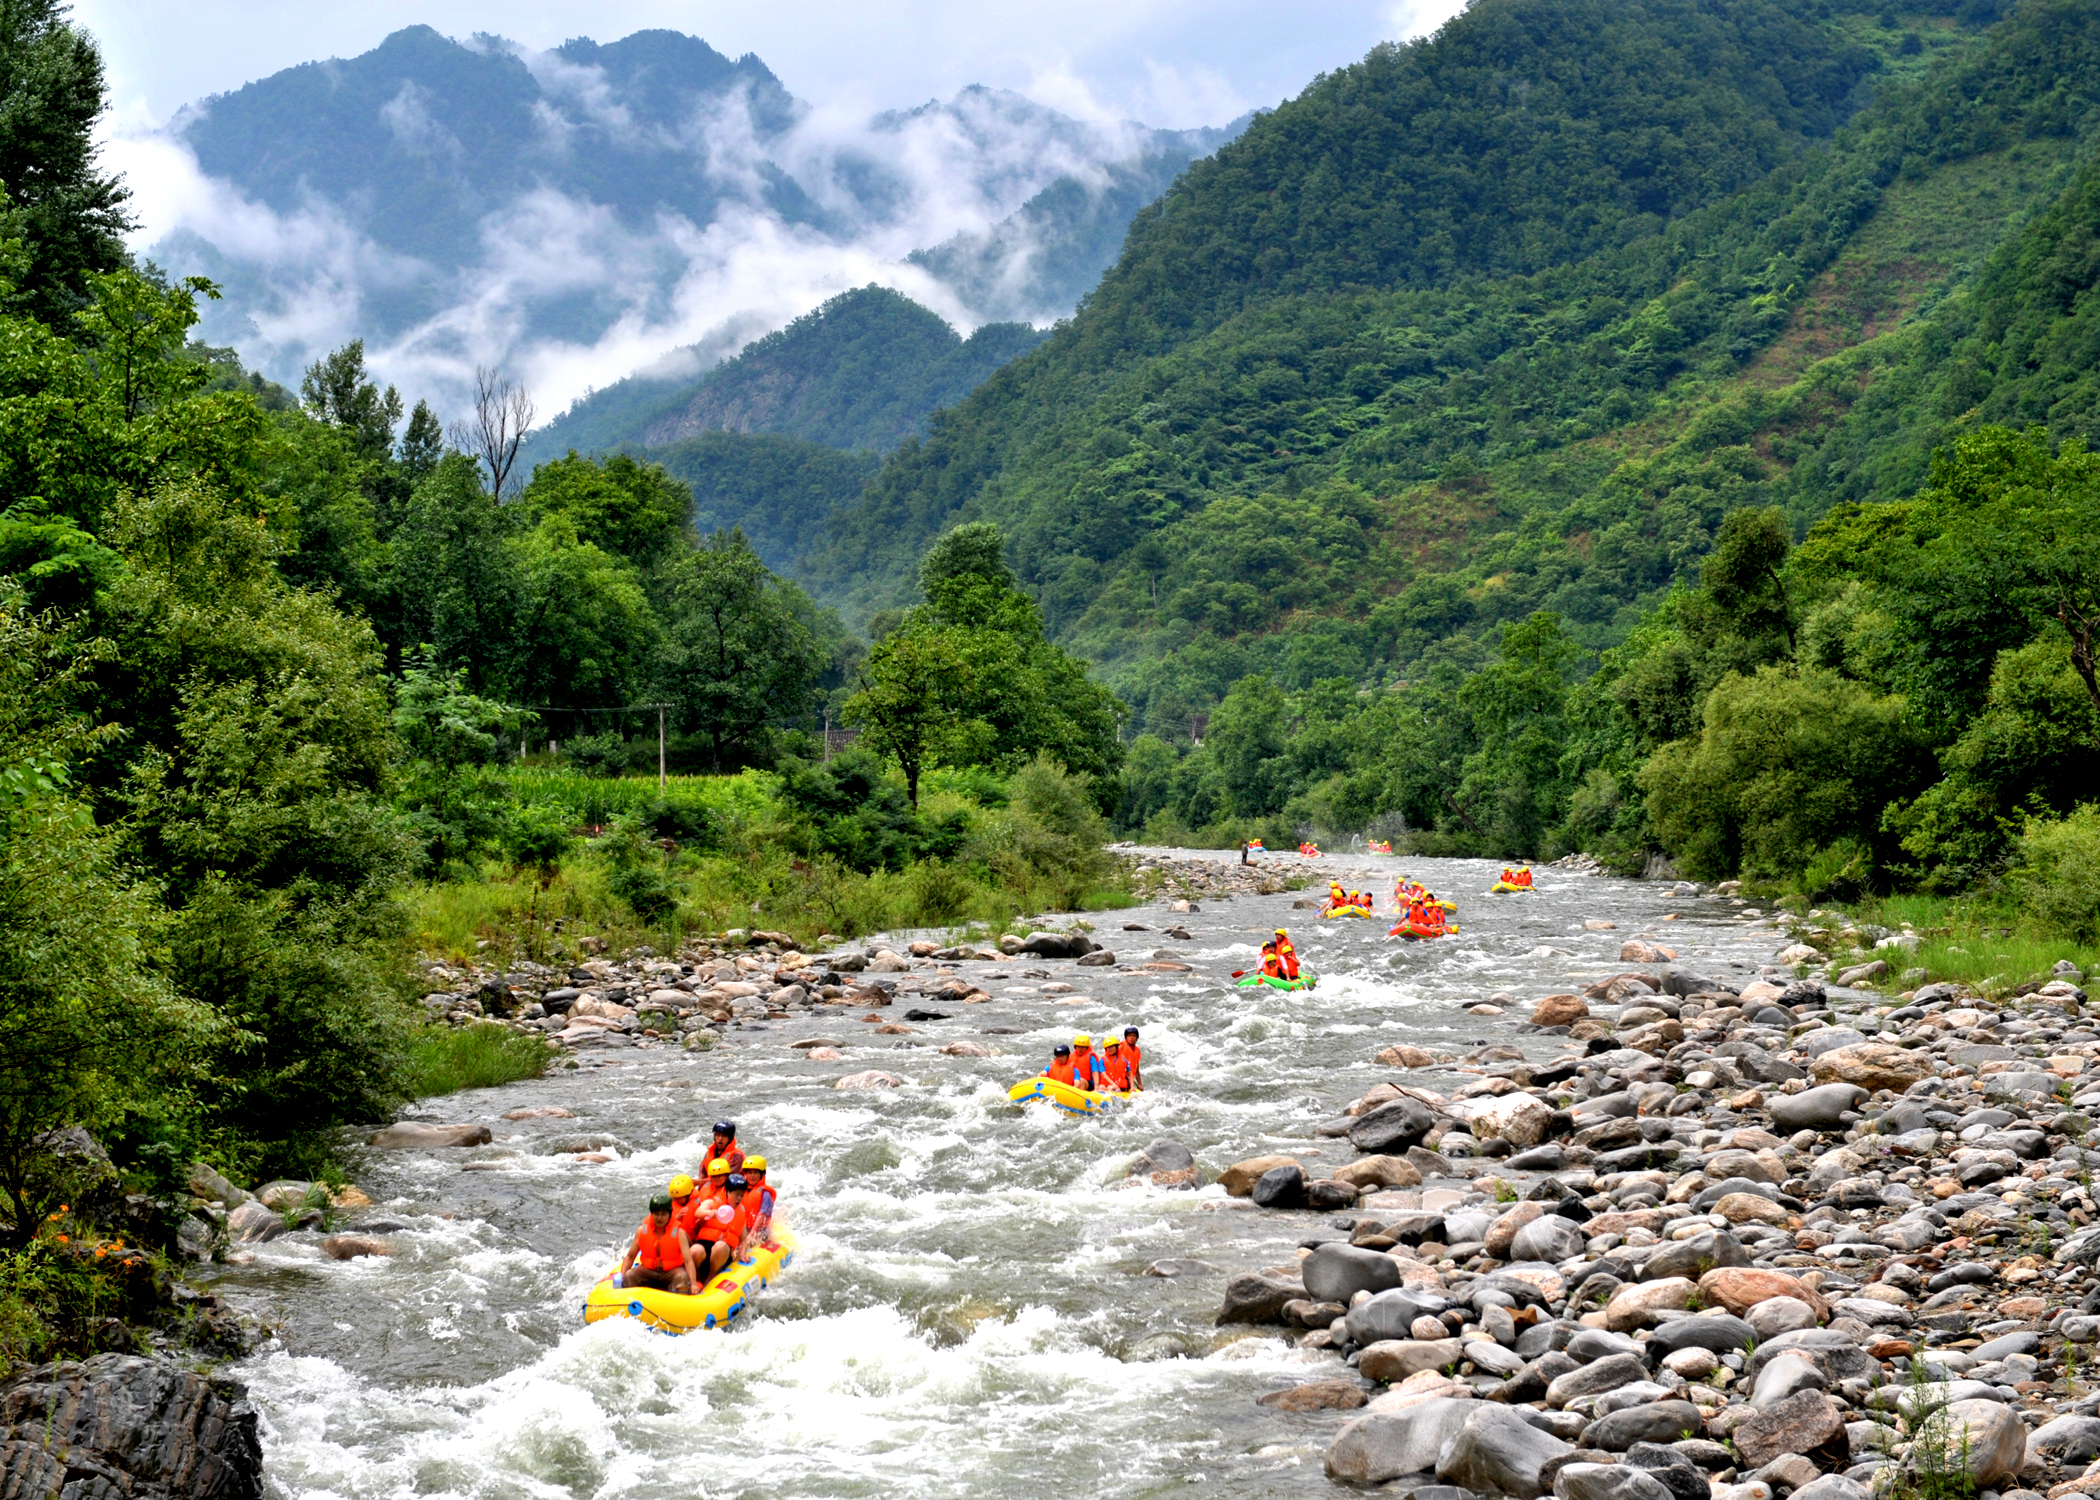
(1607,1482)
(1807,1422)
(1740,1288)
(1391,1315)
(1650,1422)
(1520,1119)
(118,1425)
(414,1135)
(1550,1238)
(1378,1446)
(1256,1299)
(1370,1172)
(1498,1452)
(1559,1010)
(1989,1432)
(1391,1127)
(1337,1272)
(1873,1065)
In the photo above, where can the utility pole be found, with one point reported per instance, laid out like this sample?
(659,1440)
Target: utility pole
(660,750)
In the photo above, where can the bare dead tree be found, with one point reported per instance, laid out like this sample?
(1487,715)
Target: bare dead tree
(502,416)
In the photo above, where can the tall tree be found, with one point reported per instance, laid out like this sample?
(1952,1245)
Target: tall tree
(70,216)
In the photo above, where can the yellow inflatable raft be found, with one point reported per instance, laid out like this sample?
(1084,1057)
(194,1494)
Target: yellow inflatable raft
(1328,912)
(1072,1100)
(682,1312)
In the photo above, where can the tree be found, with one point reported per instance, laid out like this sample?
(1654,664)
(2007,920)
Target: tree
(584,633)
(905,708)
(635,510)
(1247,740)
(502,417)
(337,389)
(457,581)
(451,741)
(136,328)
(737,654)
(69,216)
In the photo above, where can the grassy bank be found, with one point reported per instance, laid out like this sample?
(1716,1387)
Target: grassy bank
(444,1060)
(1983,940)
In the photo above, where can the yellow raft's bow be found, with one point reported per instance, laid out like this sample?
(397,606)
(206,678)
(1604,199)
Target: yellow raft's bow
(712,1307)
(1066,1096)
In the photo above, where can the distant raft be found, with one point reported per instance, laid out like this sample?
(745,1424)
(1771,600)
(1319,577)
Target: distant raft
(1344,910)
(1068,1097)
(714,1306)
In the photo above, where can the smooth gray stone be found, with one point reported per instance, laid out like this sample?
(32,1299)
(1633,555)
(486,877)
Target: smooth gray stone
(2068,1439)
(1831,1487)
(1684,1479)
(1841,1354)
(1694,1257)
(1337,1272)
(1392,1127)
(1550,1238)
(1379,1446)
(1829,1039)
(1497,1451)
(2011,1343)
(1491,1357)
(1598,1343)
(1707,1197)
(1719,1332)
(1785,1373)
(1816,1108)
(1653,1422)
(1391,1315)
(1594,1378)
(1607,1482)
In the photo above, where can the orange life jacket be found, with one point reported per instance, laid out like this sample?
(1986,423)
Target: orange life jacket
(1116,1070)
(727,1223)
(734,1155)
(657,1250)
(1271,963)
(1133,1060)
(1288,956)
(686,1215)
(1059,1072)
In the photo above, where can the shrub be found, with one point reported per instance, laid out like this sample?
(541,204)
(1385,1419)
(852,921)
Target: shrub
(2055,875)
(442,1060)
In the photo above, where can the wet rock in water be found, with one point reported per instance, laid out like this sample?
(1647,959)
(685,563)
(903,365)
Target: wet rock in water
(540,1112)
(1407,1057)
(825,1054)
(251,1223)
(872,1079)
(1392,1127)
(1239,1178)
(1559,1010)
(966,1049)
(1379,1446)
(1498,1452)
(1817,1108)
(1393,1360)
(352,1246)
(1179,1267)
(1337,1272)
(1161,1346)
(916,1014)
(1324,1193)
(1607,1482)
(118,1425)
(1280,1187)
(412,1135)
(1100,958)
(1163,1155)
(1808,1423)
(1254,1298)
(1316,1395)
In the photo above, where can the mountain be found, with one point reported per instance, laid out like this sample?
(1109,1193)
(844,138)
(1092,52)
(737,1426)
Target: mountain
(570,214)
(1506,319)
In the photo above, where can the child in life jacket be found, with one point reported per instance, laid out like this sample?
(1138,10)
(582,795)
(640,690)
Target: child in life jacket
(760,1198)
(659,1256)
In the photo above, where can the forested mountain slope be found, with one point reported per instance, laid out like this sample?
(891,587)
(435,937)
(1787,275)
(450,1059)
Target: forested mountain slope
(1340,435)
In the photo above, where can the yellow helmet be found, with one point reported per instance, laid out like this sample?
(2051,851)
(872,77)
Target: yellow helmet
(1110,1040)
(681,1186)
(754,1164)
(719,1167)
(1082,1040)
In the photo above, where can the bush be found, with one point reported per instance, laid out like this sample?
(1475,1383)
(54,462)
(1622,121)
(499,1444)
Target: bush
(444,1060)
(2058,873)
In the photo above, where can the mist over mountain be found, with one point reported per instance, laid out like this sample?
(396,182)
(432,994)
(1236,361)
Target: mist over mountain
(574,214)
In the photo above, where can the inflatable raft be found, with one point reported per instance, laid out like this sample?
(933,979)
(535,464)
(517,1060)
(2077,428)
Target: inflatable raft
(1304,981)
(1067,1097)
(1418,934)
(1342,911)
(682,1312)
(1508,888)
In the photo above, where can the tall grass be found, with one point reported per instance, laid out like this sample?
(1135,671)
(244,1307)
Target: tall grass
(444,1060)
(1984,941)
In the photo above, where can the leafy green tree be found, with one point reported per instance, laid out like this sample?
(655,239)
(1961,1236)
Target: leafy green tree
(634,510)
(458,583)
(1510,790)
(452,741)
(906,708)
(1248,742)
(337,389)
(584,631)
(136,329)
(738,652)
(69,215)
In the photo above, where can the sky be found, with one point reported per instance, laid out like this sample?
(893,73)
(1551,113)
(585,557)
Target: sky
(1165,62)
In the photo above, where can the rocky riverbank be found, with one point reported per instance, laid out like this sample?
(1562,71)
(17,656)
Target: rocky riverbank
(1724,1240)
(121,1426)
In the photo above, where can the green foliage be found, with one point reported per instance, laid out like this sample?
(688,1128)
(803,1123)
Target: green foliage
(778,491)
(2054,873)
(445,1060)
(862,819)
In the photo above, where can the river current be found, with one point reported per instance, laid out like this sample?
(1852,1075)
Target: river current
(968,1315)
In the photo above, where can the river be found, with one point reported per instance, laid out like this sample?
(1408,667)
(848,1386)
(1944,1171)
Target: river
(968,1315)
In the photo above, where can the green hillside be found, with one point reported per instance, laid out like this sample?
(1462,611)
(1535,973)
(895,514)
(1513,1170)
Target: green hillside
(1341,435)
(779,491)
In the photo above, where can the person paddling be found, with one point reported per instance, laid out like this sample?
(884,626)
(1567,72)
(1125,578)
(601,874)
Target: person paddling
(659,1254)
(761,1198)
(1113,1069)
(1132,1058)
(1286,955)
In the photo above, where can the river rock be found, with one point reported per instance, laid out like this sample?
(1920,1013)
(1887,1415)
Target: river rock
(1559,1010)
(1694,1257)
(1791,1371)
(1807,1422)
(1634,1307)
(1595,1378)
(1828,1487)
(1255,1298)
(1391,1315)
(1715,1332)
(118,1425)
(1750,1208)
(1740,1288)
(1607,1482)
(2068,1440)
(1520,1119)
(351,1246)
(1550,1238)
(873,1078)
(1393,1360)
(1337,1272)
(1379,1446)
(1239,1178)
(206,1183)
(1650,1422)
(1316,1395)
(1674,1467)
(1168,1164)
(1873,1065)
(1502,1233)
(415,1135)
(556,1112)
(251,1223)
(1391,1127)
(1817,1108)
(1498,1452)
(1992,1433)
(1280,1187)
(1368,1172)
